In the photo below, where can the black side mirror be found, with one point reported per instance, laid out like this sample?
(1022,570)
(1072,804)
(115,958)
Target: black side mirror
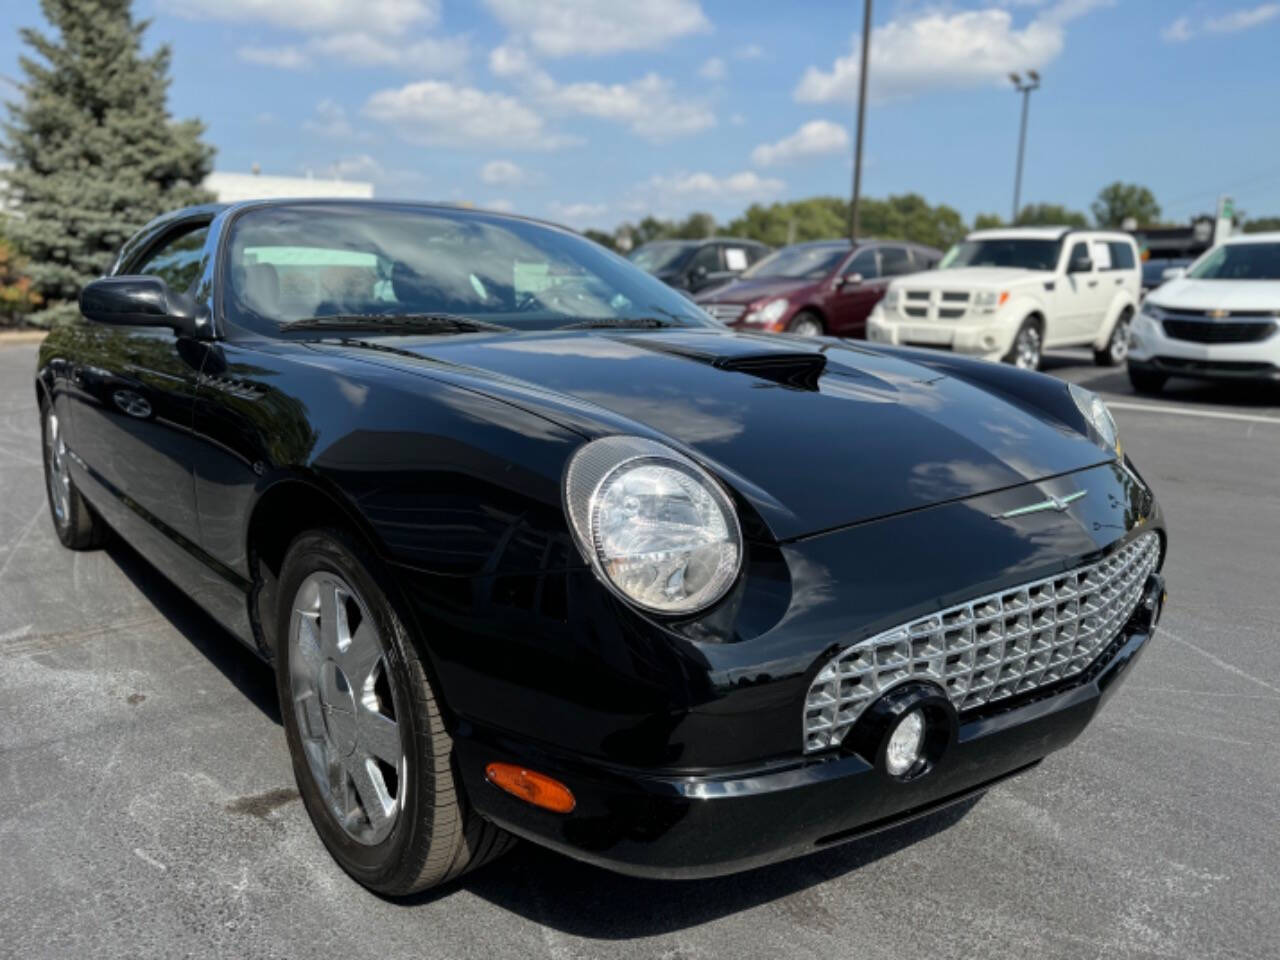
(850,280)
(1080,265)
(141,302)
(698,274)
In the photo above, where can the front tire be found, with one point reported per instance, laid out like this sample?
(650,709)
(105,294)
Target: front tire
(371,755)
(1117,349)
(1144,381)
(75,523)
(805,324)
(1027,347)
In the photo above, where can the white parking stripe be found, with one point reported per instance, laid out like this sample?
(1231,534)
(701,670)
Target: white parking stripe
(1186,412)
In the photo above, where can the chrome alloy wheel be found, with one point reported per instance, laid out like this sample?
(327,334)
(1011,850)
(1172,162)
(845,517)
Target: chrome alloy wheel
(345,707)
(806,327)
(59,476)
(1119,346)
(1026,349)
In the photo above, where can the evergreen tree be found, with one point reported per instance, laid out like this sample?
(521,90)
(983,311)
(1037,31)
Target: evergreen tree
(95,154)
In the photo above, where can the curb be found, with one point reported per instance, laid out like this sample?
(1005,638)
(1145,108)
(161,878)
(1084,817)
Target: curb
(12,338)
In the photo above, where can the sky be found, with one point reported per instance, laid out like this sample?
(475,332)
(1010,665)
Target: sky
(595,112)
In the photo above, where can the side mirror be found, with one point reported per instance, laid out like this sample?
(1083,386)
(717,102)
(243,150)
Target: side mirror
(1080,265)
(850,280)
(140,302)
(1173,273)
(698,273)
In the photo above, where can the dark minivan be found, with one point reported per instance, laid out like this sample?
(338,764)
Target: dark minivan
(812,289)
(696,265)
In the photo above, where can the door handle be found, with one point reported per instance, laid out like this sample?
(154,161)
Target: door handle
(1119,281)
(1093,283)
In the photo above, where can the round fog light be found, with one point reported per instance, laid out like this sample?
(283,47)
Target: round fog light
(903,751)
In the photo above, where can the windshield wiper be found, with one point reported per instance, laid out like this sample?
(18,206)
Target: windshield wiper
(619,323)
(407,323)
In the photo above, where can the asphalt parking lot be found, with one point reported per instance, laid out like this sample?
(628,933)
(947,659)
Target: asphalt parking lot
(148,809)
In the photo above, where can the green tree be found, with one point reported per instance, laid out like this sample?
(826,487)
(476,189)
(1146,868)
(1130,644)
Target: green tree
(1261,225)
(987,221)
(17,297)
(816,218)
(1118,202)
(910,217)
(602,238)
(1050,215)
(696,226)
(95,153)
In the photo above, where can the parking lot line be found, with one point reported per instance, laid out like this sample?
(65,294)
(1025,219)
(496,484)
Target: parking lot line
(1184,412)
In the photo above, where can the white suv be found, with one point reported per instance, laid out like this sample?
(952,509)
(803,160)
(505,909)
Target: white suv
(1220,320)
(1009,294)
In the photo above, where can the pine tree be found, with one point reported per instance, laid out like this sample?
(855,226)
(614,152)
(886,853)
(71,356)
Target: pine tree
(95,153)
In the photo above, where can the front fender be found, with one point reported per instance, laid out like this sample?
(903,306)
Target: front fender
(1122,301)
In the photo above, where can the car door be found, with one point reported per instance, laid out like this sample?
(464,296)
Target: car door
(858,287)
(136,387)
(1072,299)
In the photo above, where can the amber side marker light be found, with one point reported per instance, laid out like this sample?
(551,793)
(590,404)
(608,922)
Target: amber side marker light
(531,786)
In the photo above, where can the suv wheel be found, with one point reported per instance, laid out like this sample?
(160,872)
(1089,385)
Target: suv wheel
(1117,348)
(805,324)
(1027,346)
(371,755)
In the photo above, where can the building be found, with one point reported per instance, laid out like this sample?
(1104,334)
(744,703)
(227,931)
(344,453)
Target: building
(232,187)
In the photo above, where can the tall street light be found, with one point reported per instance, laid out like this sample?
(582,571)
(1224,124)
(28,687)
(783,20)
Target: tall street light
(1024,87)
(862,113)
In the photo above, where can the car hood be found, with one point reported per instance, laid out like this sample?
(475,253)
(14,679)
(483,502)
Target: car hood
(814,433)
(970,277)
(748,290)
(1186,294)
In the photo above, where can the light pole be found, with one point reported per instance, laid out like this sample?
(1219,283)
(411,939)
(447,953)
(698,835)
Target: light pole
(1024,87)
(862,113)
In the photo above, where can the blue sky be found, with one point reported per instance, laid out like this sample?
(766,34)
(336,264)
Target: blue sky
(592,112)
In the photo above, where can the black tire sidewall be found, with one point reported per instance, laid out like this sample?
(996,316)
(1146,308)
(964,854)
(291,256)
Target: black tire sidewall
(805,317)
(378,865)
(66,528)
(1012,356)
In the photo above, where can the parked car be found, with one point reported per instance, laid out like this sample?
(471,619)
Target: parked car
(1156,272)
(538,550)
(1220,321)
(1009,294)
(695,265)
(811,289)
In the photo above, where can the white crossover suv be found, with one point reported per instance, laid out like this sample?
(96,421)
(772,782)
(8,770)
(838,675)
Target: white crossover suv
(1217,320)
(1009,294)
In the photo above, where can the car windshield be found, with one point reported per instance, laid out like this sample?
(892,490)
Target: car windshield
(656,257)
(353,264)
(1008,252)
(1153,270)
(799,262)
(1239,261)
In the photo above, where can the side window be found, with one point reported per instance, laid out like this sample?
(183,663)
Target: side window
(735,259)
(707,257)
(1101,255)
(865,264)
(1122,255)
(177,260)
(1078,252)
(895,261)
(757,253)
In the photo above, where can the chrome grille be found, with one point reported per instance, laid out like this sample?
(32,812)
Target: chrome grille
(725,312)
(989,648)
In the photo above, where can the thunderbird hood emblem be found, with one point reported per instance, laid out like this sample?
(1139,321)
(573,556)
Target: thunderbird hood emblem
(1053,503)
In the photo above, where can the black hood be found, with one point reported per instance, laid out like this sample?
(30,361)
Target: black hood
(815,433)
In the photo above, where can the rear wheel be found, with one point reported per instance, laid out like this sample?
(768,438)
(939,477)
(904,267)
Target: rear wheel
(77,526)
(1027,346)
(805,324)
(371,755)
(1117,348)
(1144,381)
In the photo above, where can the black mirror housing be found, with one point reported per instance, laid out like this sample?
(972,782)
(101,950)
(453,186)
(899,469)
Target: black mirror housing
(1083,265)
(140,301)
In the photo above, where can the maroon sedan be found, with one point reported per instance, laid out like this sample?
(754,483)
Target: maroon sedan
(827,287)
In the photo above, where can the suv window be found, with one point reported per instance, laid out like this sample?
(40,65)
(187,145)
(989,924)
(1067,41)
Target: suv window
(1122,255)
(895,261)
(1078,252)
(708,257)
(177,260)
(757,253)
(865,264)
(735,258)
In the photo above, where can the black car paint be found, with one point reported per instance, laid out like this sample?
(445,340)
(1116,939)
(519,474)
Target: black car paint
(447,453)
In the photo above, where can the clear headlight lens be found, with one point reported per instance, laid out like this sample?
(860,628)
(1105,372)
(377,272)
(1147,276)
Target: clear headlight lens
(770,312)
(1149,309)
(656,527)
(1099,417)
(984,298)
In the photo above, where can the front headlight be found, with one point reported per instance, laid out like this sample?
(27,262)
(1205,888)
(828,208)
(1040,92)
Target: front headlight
(891,297)
(1151,311)
(771,312)
(656,528)
(990,298)
(1099,418)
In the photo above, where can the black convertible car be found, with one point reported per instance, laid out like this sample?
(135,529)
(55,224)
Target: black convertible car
(538,549)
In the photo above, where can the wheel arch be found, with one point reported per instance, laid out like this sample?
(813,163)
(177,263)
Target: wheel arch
(1122,302)
(815,310)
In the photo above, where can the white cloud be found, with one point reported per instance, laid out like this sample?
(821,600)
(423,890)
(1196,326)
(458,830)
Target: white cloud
(713,69)
(362,166)
(498,205)
(561,28)
(746,185)
(436,113)
(508,60)
(578,212)
(285,58)
(649,106)
(317,16)
(1243,19)
(330,121)
(941,49)
(813,138)
(502,172)
(752,51)
(1178,32)
(432,56)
